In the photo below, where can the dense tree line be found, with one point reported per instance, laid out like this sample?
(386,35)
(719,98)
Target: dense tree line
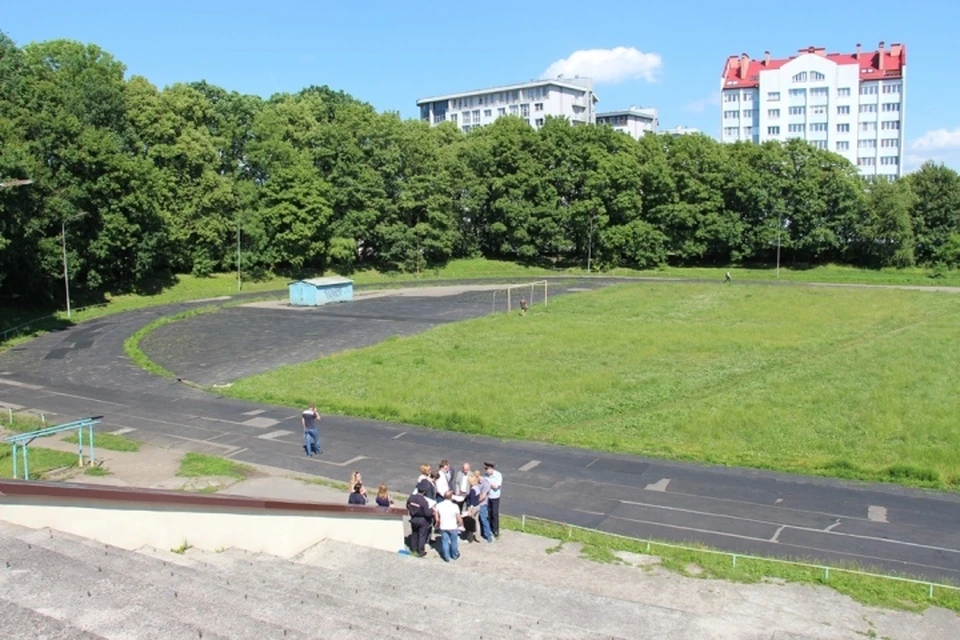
(317,180)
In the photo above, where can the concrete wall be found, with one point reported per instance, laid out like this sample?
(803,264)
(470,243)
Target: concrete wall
(277,532)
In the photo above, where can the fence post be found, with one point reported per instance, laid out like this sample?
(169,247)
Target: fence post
(734,556)
(931,591)
(545,293)
(523,522)
(43,419)
(16,476)
(10,416)
(26,463)
(826,574)
(92,455)
(80,447)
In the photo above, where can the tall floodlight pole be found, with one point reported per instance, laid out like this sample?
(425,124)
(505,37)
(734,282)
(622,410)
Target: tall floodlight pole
(238,255)
(63,244)
(779,227)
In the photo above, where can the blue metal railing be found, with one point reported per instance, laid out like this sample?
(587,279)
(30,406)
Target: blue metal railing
(21,442)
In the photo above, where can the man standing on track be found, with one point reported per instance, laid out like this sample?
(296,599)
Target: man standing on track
(493,497)
(311,434)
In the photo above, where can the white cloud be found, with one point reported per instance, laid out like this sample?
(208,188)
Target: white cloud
(937,140)
(608,66)
(698,106)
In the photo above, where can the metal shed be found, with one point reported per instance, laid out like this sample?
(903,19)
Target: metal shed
(315,292)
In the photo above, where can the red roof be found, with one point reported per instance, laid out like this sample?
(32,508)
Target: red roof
(744,72)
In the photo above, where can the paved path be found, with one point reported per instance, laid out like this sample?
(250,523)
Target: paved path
(82,371)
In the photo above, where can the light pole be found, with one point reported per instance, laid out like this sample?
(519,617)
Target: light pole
(238,254)
(779,227)
(63,239)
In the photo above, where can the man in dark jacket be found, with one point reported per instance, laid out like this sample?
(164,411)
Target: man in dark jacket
(421,517)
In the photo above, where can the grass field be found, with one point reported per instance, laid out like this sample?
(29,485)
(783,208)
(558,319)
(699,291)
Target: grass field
(850,383)
(189,287)
(197,465)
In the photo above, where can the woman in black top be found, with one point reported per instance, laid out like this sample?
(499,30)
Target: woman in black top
(357,497)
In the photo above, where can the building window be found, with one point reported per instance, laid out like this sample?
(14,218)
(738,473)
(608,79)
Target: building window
(438,118)
(866,162)
(729,115)
(538,106)
(867,144)
(890,142)
(748,113)
(891,125)
(843,145)
(514,110)
(843,110)
(820,92)
(868,108)
(525,111)
(888,160)
(539,122)
(843,128)
(747,96)
(891,88)
(818,111)
(453,118)
(748,131)
(466,128)
(818,126)
(800,77)
(501,111)
(773,131)
(730,131)
(773,114)
(773,96)
(868,89)
(487,113)
(843,92)
(868,126)
(730,96)
(816,75)
(795,128)
(891,106)
(797,111)
(797,93)
(819,144)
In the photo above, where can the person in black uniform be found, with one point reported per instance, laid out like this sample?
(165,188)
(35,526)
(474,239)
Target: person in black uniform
(421,517)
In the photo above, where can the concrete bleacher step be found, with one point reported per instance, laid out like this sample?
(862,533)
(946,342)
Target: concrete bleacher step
(41,627)
(508,606)
(234,608)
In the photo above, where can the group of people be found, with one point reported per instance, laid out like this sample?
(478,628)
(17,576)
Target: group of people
(452,505)
(447,504)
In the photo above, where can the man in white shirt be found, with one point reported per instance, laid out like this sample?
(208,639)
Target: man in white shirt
(449,522)
(443,480)
(493,498)
(462,485)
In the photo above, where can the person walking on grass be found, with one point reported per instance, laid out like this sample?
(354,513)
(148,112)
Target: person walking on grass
(495,478)
(311,433)
(523,306)
(449,522)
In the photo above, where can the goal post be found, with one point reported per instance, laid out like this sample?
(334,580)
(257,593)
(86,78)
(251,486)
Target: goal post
(509,298)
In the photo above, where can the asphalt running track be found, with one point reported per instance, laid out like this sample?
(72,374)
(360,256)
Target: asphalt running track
(83,371)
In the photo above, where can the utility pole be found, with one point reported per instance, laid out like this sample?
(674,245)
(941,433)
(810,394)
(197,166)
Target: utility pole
(779,227)
(238,255)
(63,244)
(590,245)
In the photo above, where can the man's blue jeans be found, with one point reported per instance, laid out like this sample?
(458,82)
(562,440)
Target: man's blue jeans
(485,523)
(449,545)
(311,441)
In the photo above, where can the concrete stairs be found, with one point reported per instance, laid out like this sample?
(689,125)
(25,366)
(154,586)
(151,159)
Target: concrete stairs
(55,585)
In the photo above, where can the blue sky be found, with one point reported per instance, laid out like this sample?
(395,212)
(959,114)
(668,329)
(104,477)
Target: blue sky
(390,53)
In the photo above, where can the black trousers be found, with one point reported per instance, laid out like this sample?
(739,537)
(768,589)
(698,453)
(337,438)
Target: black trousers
(420,530)
(494,508)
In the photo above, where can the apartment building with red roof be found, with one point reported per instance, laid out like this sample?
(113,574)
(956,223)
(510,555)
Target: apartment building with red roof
(850,103)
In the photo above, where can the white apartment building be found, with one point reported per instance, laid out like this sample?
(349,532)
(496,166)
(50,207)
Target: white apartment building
(681,131)
(636,122)
(853,104)
(571,98)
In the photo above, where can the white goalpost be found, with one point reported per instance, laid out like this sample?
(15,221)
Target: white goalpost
(509,298)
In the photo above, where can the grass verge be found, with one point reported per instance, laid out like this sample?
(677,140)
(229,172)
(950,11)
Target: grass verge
(197,465)
(108,441)
(40,461)
(856,384)
(131,346)
(868,590)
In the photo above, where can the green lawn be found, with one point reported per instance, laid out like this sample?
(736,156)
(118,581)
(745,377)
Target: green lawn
(852,383)
(107,441)
(40,461)
(197,465)
(189,287)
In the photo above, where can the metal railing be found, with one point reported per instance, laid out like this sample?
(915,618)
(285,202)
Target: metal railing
(21,443)
(740,556)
